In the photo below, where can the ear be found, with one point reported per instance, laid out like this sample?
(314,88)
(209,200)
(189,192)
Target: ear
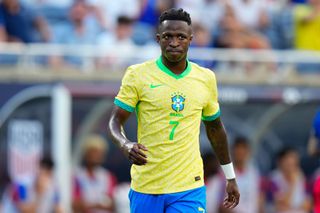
(191,37)
(158,38)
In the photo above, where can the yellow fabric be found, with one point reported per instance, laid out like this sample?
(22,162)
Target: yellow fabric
(169,131)
(306,33)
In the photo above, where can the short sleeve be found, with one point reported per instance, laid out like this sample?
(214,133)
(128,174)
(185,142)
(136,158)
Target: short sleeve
(128,96)
(211,110)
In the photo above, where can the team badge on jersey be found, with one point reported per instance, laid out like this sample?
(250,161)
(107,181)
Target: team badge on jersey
(177,102)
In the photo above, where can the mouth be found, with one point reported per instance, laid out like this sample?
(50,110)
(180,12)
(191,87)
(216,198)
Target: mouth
(174,51)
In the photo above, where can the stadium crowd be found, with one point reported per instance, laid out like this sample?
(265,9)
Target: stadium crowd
(249,24)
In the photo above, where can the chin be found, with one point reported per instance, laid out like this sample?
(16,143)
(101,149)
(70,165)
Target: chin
(175,58)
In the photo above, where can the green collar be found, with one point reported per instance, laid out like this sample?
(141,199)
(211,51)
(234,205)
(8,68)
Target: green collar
(165,69)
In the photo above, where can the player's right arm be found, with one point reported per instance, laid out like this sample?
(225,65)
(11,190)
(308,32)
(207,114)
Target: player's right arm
(132,150)
(125,103)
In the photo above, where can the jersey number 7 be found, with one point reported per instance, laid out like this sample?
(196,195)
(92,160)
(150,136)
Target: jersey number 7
(175,124)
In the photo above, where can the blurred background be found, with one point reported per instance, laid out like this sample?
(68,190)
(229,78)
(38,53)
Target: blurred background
(61,64)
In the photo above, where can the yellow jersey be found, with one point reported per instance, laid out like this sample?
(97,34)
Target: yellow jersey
(306,33)
(169,110)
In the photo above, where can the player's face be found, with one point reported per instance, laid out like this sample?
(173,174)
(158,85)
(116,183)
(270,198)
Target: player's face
(174,38)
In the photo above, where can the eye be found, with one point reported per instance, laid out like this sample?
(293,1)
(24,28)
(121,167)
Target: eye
(182,37)
(165,37)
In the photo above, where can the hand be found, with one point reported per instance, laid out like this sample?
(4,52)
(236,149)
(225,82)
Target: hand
(233,195)
(134,152)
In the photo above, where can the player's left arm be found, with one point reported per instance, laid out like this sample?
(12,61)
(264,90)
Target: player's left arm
(218,139)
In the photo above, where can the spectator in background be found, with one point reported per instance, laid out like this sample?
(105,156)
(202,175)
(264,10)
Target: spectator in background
(81,29)
(233,34)
(288,184)
(251,13)
(121,39)
(307,21)
(121,35)
(151,9)
(54,11)
(93,185)
(147,20)
(251,200)
(21,24)
(214,182)
(307,32)
(108,11)
(281,31)
(212,10)
(202,38)
(36,196)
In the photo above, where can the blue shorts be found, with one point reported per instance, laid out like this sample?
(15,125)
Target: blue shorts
(190,201)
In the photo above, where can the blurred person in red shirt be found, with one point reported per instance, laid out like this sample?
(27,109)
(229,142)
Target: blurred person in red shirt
(93,186)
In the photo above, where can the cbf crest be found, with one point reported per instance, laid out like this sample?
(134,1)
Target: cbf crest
(178,101)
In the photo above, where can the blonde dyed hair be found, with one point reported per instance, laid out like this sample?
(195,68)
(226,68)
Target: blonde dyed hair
(95,141)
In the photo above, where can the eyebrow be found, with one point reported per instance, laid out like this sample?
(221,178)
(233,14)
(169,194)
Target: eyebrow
(174,33)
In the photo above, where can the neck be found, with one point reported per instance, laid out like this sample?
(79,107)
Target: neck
(175,67)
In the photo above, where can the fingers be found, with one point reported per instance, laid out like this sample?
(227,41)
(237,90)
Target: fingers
(138,150)
(231,201)
(142,147)
(136,156)
(136,160)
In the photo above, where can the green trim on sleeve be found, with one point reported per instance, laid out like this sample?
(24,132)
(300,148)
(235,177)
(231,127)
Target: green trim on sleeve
(165,69)
(212,117)
(123,105)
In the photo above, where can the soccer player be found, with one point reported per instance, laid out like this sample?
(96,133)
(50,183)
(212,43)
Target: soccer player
(171,95)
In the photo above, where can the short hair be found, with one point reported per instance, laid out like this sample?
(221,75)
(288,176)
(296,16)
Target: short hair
(175,14)
(241,141)
(285,151)
(124,20)
(46,163)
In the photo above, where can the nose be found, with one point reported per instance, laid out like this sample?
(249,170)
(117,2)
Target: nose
(174,42)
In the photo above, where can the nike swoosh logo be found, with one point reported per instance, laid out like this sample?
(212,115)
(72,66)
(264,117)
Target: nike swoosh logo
(152,86)
(201,209)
